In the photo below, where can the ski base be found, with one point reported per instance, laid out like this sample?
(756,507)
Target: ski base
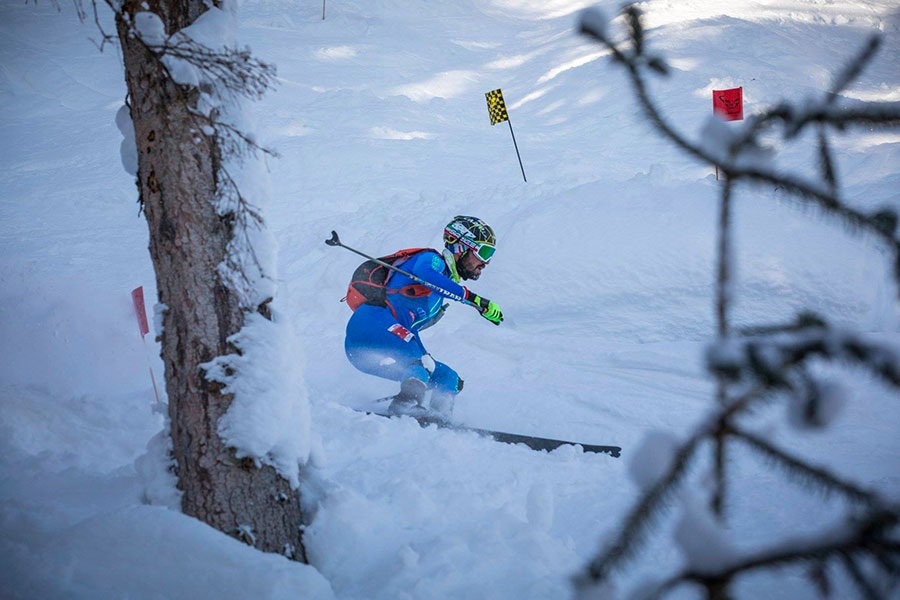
(533,442)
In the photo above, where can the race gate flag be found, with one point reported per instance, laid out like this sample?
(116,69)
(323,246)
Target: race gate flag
(498,113)
(496,106)
(137,298)
(729,104)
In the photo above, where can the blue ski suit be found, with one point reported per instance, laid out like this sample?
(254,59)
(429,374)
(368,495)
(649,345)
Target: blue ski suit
(384,341)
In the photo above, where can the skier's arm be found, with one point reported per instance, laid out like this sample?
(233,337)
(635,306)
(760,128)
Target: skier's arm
(430,266)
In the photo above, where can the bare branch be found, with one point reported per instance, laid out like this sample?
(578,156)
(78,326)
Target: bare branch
(235,71)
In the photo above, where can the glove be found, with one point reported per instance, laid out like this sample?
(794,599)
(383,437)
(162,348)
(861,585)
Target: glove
(489,309)
(492,312)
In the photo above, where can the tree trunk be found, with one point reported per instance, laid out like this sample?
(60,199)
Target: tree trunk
(178,169)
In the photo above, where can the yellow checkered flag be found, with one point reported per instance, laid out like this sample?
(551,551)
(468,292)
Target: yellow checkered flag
(496,106)
(498,114)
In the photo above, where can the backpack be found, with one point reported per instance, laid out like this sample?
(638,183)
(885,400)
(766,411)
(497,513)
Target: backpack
(368,282)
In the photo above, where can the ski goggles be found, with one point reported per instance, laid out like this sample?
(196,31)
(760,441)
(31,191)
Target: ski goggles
(483,251)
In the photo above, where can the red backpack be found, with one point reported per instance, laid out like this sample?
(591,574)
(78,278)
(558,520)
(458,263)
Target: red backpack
(367,285)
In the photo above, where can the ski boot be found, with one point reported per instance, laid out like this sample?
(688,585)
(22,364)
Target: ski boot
(409,400)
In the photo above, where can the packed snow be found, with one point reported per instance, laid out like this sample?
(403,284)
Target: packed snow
(604,272)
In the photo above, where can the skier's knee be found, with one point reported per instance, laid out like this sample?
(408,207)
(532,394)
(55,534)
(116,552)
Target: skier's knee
(446,380)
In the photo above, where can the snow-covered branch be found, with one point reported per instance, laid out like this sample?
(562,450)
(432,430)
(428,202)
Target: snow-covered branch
(860,540)
(772,357)
(661,487)
(766,363)
(210,77)
(235,71)
(741,155)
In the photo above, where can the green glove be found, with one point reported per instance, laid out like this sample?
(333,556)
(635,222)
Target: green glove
(489,310)
(493,313)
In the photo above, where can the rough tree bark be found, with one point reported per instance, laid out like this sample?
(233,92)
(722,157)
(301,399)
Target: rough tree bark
(178,176)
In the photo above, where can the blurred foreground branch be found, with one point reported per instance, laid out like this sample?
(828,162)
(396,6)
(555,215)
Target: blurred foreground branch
(769,363)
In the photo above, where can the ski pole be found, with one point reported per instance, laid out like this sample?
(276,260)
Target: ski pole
(336,241)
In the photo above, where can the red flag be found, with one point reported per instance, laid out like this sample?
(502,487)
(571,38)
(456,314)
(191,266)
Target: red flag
(137,298)
(729,104)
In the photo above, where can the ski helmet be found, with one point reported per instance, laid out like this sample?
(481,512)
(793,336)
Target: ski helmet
(470,233)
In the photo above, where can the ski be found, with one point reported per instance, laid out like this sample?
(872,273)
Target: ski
(533,442)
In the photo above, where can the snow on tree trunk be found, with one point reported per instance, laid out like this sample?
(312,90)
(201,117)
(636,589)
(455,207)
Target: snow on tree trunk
(178,167)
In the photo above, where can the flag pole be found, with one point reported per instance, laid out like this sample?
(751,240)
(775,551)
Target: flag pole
(498,113)
(516,146)
(137,300)
(729,105)
(150,366)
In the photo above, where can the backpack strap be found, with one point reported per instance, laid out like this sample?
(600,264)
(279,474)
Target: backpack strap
(413,290)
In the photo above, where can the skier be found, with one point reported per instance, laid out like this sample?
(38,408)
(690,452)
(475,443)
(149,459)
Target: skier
(384,340)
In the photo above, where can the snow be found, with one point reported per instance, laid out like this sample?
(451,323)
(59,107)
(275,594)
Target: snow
(269,417)
(652,458)
(827,401)
(128,149)
(150,28)
(604,272)
(701,537)
(718,138)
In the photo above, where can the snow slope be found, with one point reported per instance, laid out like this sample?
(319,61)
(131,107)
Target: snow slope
(604,271)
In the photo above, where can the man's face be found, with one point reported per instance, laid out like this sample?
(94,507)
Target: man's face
(469,266)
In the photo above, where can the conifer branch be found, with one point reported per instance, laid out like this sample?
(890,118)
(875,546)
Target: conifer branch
(643,513)
(771,358)
(821,477)
(720,474)
(723,256)
(860,539)
(866,589)
(638,64)
(853,69)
